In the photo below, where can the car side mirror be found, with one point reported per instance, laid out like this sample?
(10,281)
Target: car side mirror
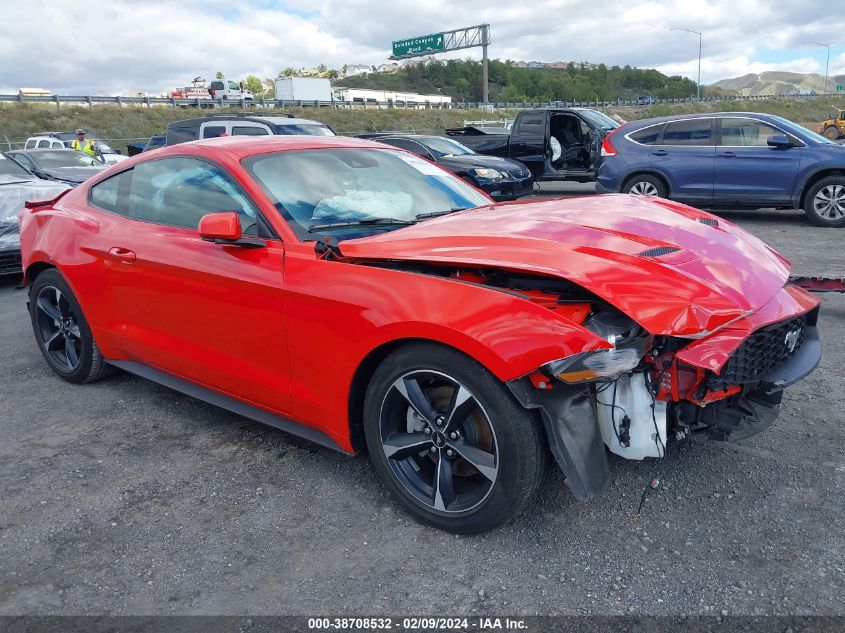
(225,228)
(779,140)
(220,226)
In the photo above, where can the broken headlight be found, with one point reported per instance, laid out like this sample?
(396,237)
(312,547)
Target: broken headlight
(629,342)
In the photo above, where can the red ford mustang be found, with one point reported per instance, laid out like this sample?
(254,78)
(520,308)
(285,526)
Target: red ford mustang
(364,298)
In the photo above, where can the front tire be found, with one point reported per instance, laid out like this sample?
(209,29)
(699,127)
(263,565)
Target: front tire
(645,185)
(825,202)
(63,335)
(449,441)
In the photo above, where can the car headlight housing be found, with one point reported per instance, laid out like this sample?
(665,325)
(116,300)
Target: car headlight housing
(629,341)
(484,172)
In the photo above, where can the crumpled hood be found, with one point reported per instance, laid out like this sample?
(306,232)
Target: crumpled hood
(476,161)
(702,278)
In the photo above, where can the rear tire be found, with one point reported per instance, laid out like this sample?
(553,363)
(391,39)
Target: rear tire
(645,185)
(63,335)
(449,441)
(832,133)
(824,203)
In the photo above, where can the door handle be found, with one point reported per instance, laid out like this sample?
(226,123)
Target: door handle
(727,154)
(659,152)
(122,254)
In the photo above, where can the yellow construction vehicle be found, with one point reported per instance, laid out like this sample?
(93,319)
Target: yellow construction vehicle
(834,128)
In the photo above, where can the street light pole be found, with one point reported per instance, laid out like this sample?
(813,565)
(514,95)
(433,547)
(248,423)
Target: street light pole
(698,84)
(827,65)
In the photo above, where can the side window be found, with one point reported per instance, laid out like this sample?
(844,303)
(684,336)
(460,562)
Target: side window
(746,133)
(689,132)
(110,194)
(411,146)
(30,144)
(179,191)
(249,130)
(43,144)
(647,136)
(213,131)
(532,124)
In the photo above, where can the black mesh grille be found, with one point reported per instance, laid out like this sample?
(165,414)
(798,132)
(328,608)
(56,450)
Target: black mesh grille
(761,352)
(658,251)
(10,262)
(709,221)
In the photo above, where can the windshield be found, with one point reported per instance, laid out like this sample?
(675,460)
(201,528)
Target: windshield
(50,159)
(9,167)
(598,119)
(305,129)
(445,146)
(802,131)
(318,187)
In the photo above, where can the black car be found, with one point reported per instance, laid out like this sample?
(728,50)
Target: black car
(16,187)
(561,144)
(500,178)
(63,165)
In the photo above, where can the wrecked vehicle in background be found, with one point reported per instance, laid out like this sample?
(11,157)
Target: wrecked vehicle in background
(395,309)
(17,186)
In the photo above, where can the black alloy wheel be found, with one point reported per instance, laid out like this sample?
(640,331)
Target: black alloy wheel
(62,333)
(438,441)
(450,441)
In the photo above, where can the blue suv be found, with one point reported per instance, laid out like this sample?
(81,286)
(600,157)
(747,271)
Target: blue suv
(728,159)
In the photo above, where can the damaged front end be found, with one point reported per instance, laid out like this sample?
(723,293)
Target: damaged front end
(633,398)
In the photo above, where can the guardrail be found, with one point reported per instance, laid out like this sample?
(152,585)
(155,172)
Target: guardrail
(60,100)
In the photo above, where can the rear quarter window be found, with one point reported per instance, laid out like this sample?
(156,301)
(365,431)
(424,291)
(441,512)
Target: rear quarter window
(110,194)
(647,136)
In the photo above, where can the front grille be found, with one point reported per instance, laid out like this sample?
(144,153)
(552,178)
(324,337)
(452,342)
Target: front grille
(659,251)
(10,262)
(520,173)
(760,353)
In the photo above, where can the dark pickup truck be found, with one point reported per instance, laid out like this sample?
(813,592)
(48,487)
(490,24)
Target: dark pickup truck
(554,143)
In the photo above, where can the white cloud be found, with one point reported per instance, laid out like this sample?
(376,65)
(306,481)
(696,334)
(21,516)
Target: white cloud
(81,46)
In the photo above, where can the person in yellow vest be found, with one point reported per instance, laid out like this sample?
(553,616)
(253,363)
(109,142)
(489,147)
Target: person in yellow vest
(83,145)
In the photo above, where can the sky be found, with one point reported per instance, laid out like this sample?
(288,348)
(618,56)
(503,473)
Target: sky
(127,46)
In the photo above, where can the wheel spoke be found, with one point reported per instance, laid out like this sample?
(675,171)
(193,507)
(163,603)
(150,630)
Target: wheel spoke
(483,461)
(460,407)
(413,393)
(444,484)
(64,310)
(55,343)
(70,352)
(48,308)
(73,330)
(402,445)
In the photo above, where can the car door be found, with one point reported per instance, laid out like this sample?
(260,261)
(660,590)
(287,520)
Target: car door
(748,169)
(686,156)
(211,313)
(529,142)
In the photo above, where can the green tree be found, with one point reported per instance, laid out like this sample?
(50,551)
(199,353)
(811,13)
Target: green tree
(218,75)
(254,85)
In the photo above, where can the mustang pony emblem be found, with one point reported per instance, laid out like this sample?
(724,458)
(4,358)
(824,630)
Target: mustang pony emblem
(791,340)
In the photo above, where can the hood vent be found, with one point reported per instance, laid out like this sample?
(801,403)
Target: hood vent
(658,251)
(709,221)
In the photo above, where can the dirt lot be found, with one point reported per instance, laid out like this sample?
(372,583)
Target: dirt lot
(123,497)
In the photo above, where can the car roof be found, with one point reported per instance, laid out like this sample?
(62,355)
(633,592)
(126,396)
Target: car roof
(273,120)
(243,146)
(41,150)
(696,115)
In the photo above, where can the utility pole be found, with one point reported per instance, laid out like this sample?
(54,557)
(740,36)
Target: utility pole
(827,65)
(698,84)
(485,40)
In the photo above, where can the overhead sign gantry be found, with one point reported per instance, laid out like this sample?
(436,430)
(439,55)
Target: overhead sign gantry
(469,37)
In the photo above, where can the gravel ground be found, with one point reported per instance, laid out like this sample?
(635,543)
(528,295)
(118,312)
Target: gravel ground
(124,497)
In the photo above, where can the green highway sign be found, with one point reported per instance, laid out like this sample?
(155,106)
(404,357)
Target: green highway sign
(419,45)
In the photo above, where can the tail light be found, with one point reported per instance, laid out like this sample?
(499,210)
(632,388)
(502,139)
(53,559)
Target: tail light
(607,148)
